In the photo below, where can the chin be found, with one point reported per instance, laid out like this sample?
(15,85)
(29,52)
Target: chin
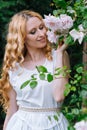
(43,45)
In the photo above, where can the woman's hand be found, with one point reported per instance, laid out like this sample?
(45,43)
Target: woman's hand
(62,47)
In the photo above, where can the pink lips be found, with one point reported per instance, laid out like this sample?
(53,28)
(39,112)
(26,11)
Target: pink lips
(42,40)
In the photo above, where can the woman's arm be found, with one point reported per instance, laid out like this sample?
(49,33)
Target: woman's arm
(60,81)
(12,107)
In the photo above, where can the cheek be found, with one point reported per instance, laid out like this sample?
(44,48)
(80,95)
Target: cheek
(30,38)
(45,31)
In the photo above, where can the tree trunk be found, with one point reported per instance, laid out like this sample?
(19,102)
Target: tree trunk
(85,55)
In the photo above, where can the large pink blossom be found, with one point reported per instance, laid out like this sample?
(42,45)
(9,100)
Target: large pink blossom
(57,26)
(52,37)
(51,22)
(67,21)
(82,125)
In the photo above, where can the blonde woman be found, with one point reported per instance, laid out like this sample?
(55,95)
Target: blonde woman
(28,47)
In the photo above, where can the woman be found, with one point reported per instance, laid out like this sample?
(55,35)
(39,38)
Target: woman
(28,47)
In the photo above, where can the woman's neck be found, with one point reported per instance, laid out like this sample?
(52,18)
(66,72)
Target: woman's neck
(34,55)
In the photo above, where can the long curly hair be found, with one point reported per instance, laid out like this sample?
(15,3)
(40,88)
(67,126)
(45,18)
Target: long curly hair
(15,50)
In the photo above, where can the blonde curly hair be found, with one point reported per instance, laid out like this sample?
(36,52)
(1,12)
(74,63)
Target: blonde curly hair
(15,50)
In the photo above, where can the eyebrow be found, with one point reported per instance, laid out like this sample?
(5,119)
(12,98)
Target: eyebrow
(35,27)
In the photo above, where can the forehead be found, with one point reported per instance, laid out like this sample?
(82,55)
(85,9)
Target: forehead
(33,22)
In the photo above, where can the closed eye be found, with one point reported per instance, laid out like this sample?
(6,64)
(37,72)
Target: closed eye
(33,31)
(41,27)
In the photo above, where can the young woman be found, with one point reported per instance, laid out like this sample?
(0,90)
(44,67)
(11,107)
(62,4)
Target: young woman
(28,47)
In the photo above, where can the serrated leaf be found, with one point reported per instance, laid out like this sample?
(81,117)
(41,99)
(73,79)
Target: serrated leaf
(33,84)
(24,84)
(42,76)
(49,77)
(41,69)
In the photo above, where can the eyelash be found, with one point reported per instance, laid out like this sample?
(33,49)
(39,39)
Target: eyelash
(41,28)
(33,32)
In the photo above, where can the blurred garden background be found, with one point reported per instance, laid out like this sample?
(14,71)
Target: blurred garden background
(72,107)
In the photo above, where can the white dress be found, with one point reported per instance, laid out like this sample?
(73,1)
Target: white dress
(39,97)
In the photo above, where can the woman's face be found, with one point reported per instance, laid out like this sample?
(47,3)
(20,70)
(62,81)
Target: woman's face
(35,33)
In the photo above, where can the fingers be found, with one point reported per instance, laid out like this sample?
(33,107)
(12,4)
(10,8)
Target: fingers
(63,47)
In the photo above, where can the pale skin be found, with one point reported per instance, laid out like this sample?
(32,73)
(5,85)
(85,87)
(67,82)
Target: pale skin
(35,42)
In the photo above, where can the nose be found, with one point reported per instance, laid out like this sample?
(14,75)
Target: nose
(41,32)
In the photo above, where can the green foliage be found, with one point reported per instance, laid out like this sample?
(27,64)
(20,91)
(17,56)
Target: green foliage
(75,104)
(76,88)
(43,75)
(49,77)
(33,84)
(41,69)
(77,10)
(25,84)
(60,3)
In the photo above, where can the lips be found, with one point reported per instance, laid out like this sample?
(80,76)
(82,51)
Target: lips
(42,40)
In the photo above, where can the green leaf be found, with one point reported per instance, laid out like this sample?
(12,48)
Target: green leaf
(55,117)
(55,12)
(73,88)
(66,92)
(61,3)
(71,128)
(84,93)
(49,77)
(69,40)
(24,84)
(84,24)
(75,111)
(58,71)
(70,116)
(67,89)
(33,76)
(79,70)
(79,78)
(41,69)
(84,86)
(85,38)
(42,76)
(75,82)
(33,84)
(49,117)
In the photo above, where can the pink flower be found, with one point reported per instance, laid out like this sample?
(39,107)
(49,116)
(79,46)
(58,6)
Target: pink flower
(51,22)
(57,26)
(52,37)
(67,21)
(82,125)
